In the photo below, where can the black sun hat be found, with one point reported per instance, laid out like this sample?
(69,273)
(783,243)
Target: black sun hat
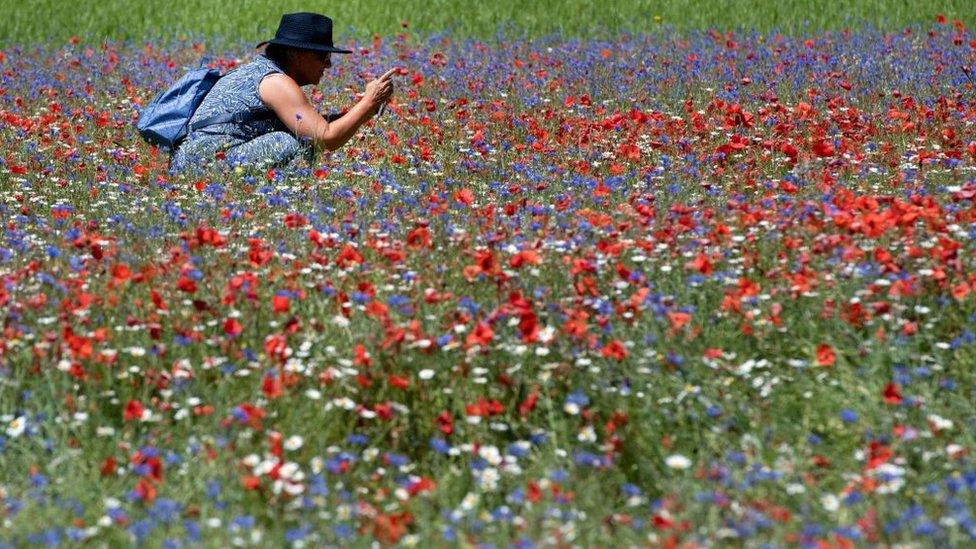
(308,31)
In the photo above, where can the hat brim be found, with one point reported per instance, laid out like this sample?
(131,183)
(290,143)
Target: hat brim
(302,45)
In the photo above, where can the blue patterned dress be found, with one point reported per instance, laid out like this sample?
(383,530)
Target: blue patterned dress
(262,143)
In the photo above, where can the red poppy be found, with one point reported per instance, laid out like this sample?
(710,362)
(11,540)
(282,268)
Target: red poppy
(419,238)
(527,405)
(384,411)
(108,467)
(271,386)
(120,273)
(399,382)
(276,347)
(279,303)
(464,196)
(678,320)
(445,422)
(823,149)
(145,490)
(187,285)
(614,349)
(825,355)
(361,356)
(232,327)
(348,256)
(892,393)
(133,411)
(481,335)
(424,484)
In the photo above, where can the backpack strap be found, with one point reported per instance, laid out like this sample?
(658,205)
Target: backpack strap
(237,117)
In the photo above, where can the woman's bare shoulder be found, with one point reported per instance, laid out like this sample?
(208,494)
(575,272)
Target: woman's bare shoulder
(279,87)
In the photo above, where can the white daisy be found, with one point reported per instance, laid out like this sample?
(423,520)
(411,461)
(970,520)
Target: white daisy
(293,442)
(677,461)
(16,427)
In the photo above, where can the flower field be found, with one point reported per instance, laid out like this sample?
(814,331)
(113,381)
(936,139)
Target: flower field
(677,290)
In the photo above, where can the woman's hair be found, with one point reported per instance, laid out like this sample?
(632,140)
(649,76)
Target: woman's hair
(278,53)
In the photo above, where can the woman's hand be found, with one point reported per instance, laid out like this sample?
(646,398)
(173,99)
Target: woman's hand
(379,91)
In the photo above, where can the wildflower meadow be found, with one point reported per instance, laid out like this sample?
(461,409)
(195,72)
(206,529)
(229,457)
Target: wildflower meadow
(679,289)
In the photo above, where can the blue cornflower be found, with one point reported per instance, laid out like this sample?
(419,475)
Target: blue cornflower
(439,446)
(335,464)
(853,497)
(357,439)
(38,480)
(925,528)
(192,530)
(141,529)
(589,459)
(538,438)
(242,522)
(630,490)
(213,489)
(297,534)
(117,514)
(736,457)
(517,450)
(317,486)
(342,531)
(516,497)
(577,398)
(73,534)
(165,510)
(50,537)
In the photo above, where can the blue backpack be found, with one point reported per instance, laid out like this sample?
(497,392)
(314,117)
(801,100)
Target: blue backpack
(164,122)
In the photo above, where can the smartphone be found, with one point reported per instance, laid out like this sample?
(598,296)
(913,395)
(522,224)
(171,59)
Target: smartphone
(395,71)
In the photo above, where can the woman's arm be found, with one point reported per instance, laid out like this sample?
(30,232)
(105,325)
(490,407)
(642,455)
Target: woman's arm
(281,93)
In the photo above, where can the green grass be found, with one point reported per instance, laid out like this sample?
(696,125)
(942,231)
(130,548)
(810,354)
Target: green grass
(253,20)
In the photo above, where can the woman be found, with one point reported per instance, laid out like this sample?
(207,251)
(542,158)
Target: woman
(277,125)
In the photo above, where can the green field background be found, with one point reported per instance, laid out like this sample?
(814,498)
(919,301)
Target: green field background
(52,21)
